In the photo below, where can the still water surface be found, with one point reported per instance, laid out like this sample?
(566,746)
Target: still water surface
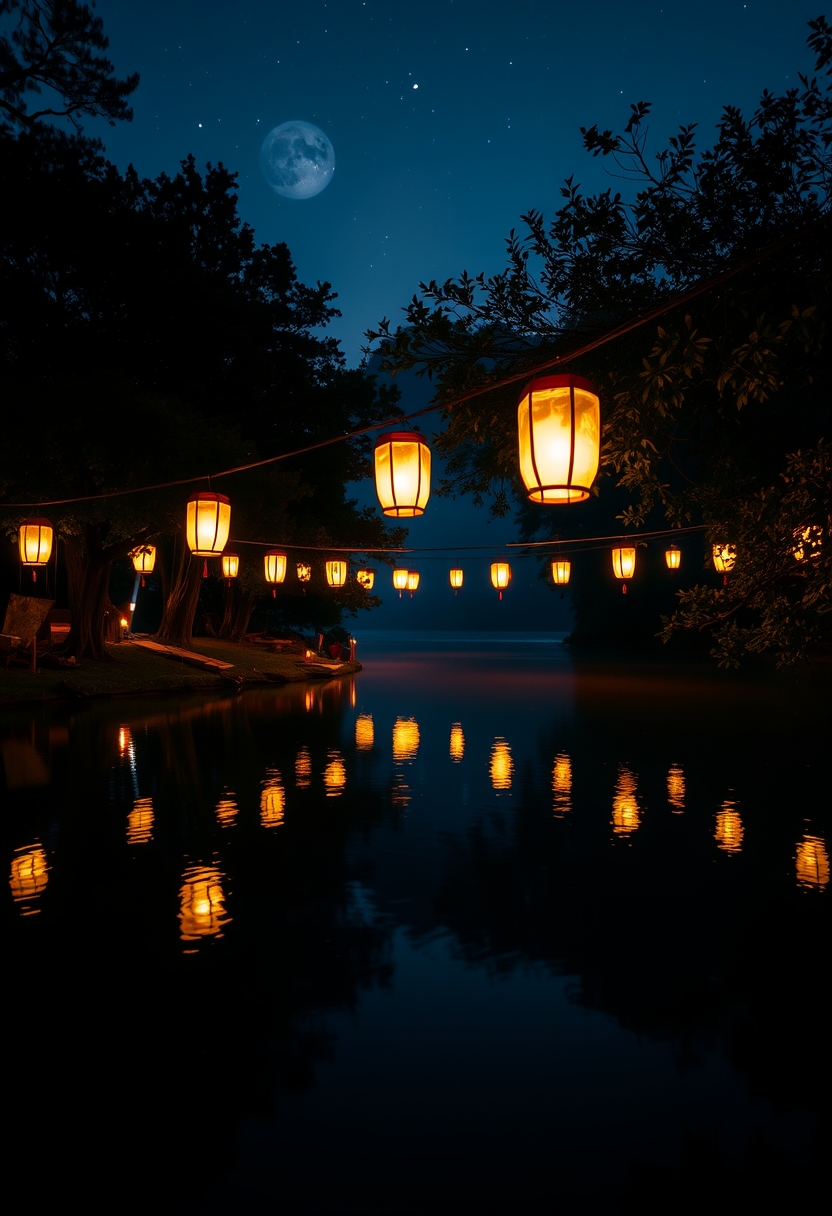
(478,930)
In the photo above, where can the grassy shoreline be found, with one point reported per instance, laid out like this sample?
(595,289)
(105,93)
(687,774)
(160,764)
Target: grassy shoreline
(132,671)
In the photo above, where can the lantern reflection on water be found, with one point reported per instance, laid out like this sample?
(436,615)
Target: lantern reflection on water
(29,876)
(201,904)
(729,831)
(303,769)
(812,863)
(364,732)
(272,800)
(335,774)
(227,811)
(562,785)
(501,765)
(625,809)
(140,822)
(676,788)
(457,745)
(405,739)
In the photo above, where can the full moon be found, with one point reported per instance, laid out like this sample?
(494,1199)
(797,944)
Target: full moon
(297,160)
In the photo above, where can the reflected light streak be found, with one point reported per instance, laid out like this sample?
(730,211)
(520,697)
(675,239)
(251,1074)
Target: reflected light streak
(124,739)
(201,903)
(364,732)
(29,876)
(457,744)
(812,863)
(501,765)
(729,831)
(625,809)
(335,775)
(405,739)
(140,822)
(676,788)
(400,794)
(272,800)
(303,769)
(562,785)
(227,811)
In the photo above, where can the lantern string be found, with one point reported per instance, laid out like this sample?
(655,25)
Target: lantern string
(618,331)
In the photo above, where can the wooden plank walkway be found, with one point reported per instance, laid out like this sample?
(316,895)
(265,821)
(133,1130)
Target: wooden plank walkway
(182,656)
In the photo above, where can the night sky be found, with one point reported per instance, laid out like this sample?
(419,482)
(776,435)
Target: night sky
(448,119)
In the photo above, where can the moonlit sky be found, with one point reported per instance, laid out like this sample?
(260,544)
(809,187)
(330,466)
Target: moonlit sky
(449,119)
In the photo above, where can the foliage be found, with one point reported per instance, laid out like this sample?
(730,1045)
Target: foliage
(703,411)
(51,45)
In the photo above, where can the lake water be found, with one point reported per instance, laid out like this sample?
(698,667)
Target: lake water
(481,929)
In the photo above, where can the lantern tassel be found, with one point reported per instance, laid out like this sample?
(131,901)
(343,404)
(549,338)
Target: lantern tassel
(205,568)
(623,588)
(274,593)
(34,575)
(501,595)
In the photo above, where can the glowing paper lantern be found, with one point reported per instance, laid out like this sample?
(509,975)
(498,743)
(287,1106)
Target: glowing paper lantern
(400,580)
(500,576)
(456,577)
(402,467)
(724,557)
(207,523)
(412,581)
(304,572)
(623,564)
(561,572)
(144,559)
(34,538)
(673,557)
(336,573)
(274,565)
(365,579)
(559,433)
(230,566)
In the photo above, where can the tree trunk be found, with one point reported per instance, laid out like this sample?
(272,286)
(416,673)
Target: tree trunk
(242,615)
(232,597)
(88,580)
(180,607)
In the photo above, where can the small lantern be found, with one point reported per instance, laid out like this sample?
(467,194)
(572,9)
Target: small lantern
(412,581)
(230,566)
(500,576)
(402,466)
(456,576)
(207,523)
(35,540)
(623,564)
(809,543)
(304,572)
(400,580)
(559,432)
(724,557)
(561,572)
(274,563)
(673,557)
(144,559)
(336,572)
(365,579)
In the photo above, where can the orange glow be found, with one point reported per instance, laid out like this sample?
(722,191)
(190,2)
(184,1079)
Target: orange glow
(272,800)
(125,740)
(457,745)
(207,523)
(365,579)
(676,788)
(201,903)
(500,575)
(227,811)
(140,822)
(624,562)
(29,876)
(274,565)
(124,622)
(809,543)
(812,863)
(303,769)
(309,700)
(729,831)
(402,470)
(559,430)
(34,538)
(626,816)
(561,572)
(457,578)
(364,732)
(412,581)
(673,557)
(304,572)
(400,794)
(405,739)
(400,579)
(335,774)
(230,565)
(336,573)
(562,785)
(501,766)
(144,559)
(724,557)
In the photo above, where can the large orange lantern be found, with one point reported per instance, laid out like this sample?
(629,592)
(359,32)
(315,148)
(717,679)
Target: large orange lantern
(402,467)
(274,564)
(673,557)
(456,577)
(559,433)
(336,572)
(561,572)
(500,576)
(624,564)
(34,538)
(207,523)
(365,579)
(400,580)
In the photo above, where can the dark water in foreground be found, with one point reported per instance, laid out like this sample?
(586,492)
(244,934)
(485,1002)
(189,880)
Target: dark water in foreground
(478,931)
